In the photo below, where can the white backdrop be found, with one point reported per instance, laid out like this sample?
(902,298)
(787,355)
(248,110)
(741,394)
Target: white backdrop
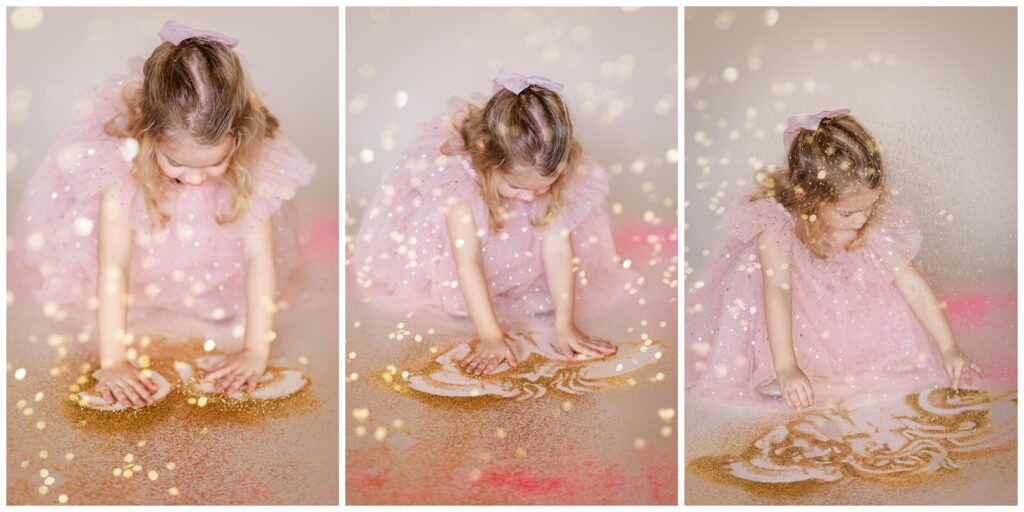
(295,67)
(936,86)
(619,67)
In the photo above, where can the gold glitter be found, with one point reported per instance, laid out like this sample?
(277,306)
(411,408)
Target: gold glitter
(474,475)
(129,457)
(667,414)
(520,452)
(40,424)
(170,466)
(303,360)
(43,454)
(639,443)
(201,402)
(566,405)
(39,396)
(19,374)
(500,433)
(43,473)
(819,448)
(380,433)
(173,491)
(152,475)
(361,414)
(117,471)
(360,431)
(49,480)
(68,456)
(62,499)
(43,489)
(209,345)
(666,431)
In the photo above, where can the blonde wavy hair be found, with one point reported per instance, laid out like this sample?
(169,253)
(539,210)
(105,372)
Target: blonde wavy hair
(532,128)
(198,88)
(850,159)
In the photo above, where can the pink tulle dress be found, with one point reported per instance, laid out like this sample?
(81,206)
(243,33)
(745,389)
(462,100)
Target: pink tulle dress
(187,277)
(402,258)
(853,332)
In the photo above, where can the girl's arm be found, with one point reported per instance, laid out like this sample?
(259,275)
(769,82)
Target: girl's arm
(919,295)
(778,310)
(118,379)
(465,246)
(114,247)
(258,248)
(244,369)
(556,246)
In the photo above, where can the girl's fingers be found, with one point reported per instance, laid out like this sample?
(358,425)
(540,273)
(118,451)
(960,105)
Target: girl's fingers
(136,400)
(790,399)
(122,399)
(510,357)
(566,350)
(810,393)
(141,391)
(236,383)
(105,392)
(802,394)
(957,371)
(252,383)
(215,374)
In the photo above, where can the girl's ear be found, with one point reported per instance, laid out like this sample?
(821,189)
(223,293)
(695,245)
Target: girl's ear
(480,144)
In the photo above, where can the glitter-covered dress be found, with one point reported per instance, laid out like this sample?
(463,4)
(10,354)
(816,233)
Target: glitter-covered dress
(852,329)
(186,278)
(402,258)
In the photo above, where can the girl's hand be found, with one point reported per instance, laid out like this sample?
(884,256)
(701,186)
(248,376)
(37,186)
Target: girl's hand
(959,368)
(489,353)
(123,383)
(237,370)
(572,342)
(796,387)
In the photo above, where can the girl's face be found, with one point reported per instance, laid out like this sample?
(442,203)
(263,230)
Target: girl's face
(852,210)
(524,183)
(185,161)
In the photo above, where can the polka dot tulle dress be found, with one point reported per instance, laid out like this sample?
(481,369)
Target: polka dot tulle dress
(403,260)
(852,329)
(187,275)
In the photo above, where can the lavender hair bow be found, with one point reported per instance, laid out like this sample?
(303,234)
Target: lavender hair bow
(174,33)
(808,122)
(516,83)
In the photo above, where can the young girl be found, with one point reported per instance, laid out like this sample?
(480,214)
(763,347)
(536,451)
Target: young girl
(815,293)
(494,213)
(161,211)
